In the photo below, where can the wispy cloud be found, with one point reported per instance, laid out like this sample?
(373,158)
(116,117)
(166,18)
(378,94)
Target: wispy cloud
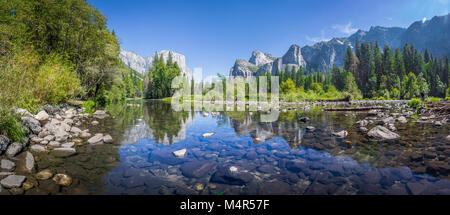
(346,29)
(318,39)
(389,18)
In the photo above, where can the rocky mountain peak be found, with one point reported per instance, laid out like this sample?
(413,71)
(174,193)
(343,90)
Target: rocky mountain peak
(142,65)
(258,58)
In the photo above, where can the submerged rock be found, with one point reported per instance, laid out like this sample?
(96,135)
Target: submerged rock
(382,133)
(13,181)
(63,152)
(29,162)
(97,139)
(44,174)
(63,180)
(180,153)
(108,139)
(341,134)
(208,134)
(310,128)
(304,119)
(197,169)
(231,176)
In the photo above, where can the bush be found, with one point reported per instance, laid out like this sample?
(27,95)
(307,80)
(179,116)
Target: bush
(433,100)
(89,106)
(11,127)
(415,103)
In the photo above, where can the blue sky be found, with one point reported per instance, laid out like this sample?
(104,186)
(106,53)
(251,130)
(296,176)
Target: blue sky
(212,34)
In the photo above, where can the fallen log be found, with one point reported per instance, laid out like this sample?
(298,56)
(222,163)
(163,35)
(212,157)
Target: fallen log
(346,99)
(356,109)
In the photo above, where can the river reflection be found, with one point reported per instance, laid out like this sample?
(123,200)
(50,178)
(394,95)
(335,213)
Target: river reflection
(246,156)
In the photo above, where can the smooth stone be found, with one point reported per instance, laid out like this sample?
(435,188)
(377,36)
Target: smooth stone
(27,185)
(13,181)
(37,148)
(14,149)
(42,116)
(402,119)
(63,180)
(85,135)
(37,140)
(108,139)
(54,144)
(68,145)
(310,128)
(363,129)
(208,134)
(7,165)
(95,122)
(44,174)
(63,152)
(382,133)
(180,153)
(231,176)
(98,138)
(341,134)
(197,169)
(49,138)
(29,162)
(75,130)
(199,187)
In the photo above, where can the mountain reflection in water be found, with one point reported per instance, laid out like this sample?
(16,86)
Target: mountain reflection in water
(282,157)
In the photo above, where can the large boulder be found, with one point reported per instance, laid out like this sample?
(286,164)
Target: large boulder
(4,143)
(197,169)
(32,124)
(100,114)
(231,176)
(382,133)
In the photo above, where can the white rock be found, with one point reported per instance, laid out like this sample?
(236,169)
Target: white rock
(208,134)
(85,135)
(14,149)
(75,130)
(37,148)
(180,153)
(94,122)
(310,128)
(98,138)
(108,139)
(205,114)
(42,116)
(233,169)
(341,134)
(49,138)
(29,162)
(68,145)
(7,165)
(54,144)
(382,133)
(13,181)
(402,119)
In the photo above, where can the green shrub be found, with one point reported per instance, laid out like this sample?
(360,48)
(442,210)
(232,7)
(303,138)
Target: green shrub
(415,103)
(11,127)
(433,100)
(89,106)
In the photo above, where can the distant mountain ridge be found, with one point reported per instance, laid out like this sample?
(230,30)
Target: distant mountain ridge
(433,35)
(142,65)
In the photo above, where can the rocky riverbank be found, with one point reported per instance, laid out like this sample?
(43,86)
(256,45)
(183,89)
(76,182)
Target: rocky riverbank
(55,130)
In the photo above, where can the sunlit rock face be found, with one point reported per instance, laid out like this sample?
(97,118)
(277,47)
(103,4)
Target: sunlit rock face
(142,65)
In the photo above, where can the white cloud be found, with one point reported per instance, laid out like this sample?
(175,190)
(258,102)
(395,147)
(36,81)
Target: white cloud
(318,39)
(346,29)
(444,2)
(389,18)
